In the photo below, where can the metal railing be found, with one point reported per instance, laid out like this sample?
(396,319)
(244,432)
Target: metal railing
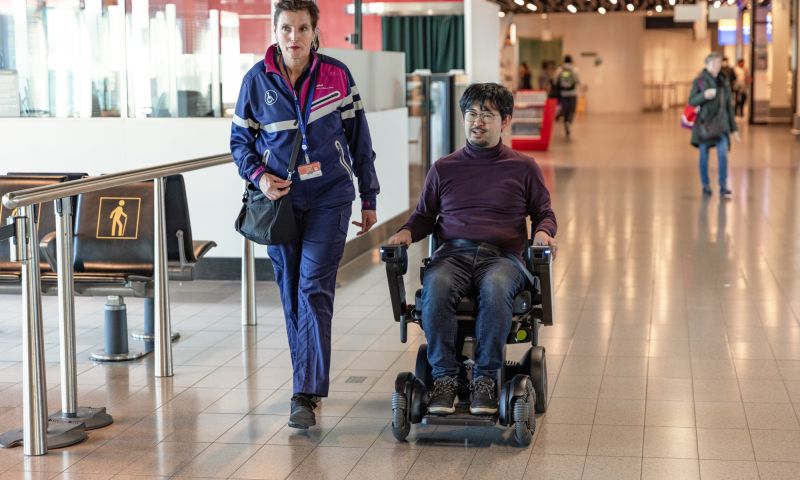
(34,400)
(663,95)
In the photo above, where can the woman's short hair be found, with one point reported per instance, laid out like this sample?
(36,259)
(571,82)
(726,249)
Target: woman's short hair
(497,95)
(713,56)
(296,6)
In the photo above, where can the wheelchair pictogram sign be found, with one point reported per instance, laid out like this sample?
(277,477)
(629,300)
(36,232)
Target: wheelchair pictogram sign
(118,218)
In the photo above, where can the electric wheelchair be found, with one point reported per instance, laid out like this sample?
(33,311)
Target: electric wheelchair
(522,385)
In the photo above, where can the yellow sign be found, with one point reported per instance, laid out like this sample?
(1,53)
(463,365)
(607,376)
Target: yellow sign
(118,218)
(14,213)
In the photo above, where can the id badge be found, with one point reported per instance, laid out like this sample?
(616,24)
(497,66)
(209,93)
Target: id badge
(309,170)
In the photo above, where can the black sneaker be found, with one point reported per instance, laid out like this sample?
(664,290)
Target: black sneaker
(302,413)
(725,192)
(443,396)
(706,190)
(484,397)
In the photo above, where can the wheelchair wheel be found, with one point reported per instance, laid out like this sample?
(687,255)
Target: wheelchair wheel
(537,369)
(423,369)
(524,416)
(401,405)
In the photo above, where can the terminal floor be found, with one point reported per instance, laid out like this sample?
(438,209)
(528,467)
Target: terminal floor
(675,352)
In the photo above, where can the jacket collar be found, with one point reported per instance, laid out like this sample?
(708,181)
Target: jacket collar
(272,58)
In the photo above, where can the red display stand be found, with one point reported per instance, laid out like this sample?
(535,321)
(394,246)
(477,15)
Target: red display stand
(532,124)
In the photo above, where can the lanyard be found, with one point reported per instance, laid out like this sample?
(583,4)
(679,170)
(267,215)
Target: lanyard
(302,120)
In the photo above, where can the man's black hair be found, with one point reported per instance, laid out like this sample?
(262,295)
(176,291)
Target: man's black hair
(494,94)
(567,58)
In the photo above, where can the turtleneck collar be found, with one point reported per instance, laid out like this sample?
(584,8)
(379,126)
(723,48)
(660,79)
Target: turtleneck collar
(478,153)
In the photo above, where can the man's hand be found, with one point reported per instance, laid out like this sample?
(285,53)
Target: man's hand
(710,93)
(403,237)
(368,219)
(273,187)
(542,238)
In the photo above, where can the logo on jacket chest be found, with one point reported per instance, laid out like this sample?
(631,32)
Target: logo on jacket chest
(270,97)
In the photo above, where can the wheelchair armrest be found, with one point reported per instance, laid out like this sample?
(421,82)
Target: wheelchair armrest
(540,262)
(47,249)
(396,259)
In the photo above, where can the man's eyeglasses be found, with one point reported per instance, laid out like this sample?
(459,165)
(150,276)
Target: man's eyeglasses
(472,116)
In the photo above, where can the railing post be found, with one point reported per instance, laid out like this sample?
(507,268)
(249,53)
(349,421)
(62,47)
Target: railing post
(163,340)
(248,283)
(66,310)
(34,382)
(70,411)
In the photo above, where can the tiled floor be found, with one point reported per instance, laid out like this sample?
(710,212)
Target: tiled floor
(675,352)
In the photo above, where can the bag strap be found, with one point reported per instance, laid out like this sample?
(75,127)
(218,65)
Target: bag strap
(295,151)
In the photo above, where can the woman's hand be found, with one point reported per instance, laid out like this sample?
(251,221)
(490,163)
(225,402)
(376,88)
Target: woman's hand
(273,187)
(368,219)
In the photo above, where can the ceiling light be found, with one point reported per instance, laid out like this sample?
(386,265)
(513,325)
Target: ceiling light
(601,10)
(672,2)
(572,8)
(731,2)
(659,8)
(717,4)
(630,7)
(501,14)
(520,2)
(532,7)
(613,2)
(649,13)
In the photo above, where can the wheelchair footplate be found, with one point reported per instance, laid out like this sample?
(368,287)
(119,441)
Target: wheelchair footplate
(461,417)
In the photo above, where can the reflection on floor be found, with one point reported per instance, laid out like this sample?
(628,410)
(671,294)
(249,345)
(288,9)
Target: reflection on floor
(675,353)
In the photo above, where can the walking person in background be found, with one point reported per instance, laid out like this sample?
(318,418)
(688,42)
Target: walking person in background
(545,80)
(741,86)
(524,77)
(566,82)
(295,94)
(715,121)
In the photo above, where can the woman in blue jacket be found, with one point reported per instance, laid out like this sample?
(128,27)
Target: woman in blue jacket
(296,89)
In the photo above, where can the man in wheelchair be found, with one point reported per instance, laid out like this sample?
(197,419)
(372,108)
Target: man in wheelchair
(476,202)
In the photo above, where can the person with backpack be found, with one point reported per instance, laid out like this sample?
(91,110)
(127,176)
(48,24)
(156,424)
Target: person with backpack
(566,83)
(715,122)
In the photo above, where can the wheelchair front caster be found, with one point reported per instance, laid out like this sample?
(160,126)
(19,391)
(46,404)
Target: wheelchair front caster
(517,408)
(409,402)
(535,364)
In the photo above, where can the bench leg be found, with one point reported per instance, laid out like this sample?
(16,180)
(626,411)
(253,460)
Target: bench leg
(148,335)
(115,334)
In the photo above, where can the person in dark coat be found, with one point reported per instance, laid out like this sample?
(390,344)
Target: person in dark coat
(711,92)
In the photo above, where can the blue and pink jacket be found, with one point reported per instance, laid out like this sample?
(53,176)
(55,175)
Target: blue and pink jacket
(265,125)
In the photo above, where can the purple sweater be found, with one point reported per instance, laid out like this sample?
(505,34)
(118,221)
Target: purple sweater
(483,195)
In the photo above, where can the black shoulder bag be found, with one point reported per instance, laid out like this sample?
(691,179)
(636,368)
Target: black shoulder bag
(714,128)
(265,221)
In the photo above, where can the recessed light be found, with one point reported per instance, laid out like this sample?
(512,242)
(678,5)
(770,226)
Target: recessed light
(630,7)
(501,14)
(659,8)
(532,7)
(572,8)
(520,2)
(601,10)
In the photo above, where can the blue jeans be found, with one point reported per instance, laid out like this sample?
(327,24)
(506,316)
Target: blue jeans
(722,161)
(455,272)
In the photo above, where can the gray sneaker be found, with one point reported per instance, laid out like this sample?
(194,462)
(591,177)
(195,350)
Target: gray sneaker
(443,396)
(484,397)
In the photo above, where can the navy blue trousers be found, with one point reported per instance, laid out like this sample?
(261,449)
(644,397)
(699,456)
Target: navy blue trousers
(305,270)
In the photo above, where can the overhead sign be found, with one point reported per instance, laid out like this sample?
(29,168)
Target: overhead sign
(688,13)
(727,12)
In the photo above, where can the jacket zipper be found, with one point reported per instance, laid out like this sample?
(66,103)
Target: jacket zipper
(342,160)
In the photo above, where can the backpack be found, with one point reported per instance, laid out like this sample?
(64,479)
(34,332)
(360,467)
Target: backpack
(566,79)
